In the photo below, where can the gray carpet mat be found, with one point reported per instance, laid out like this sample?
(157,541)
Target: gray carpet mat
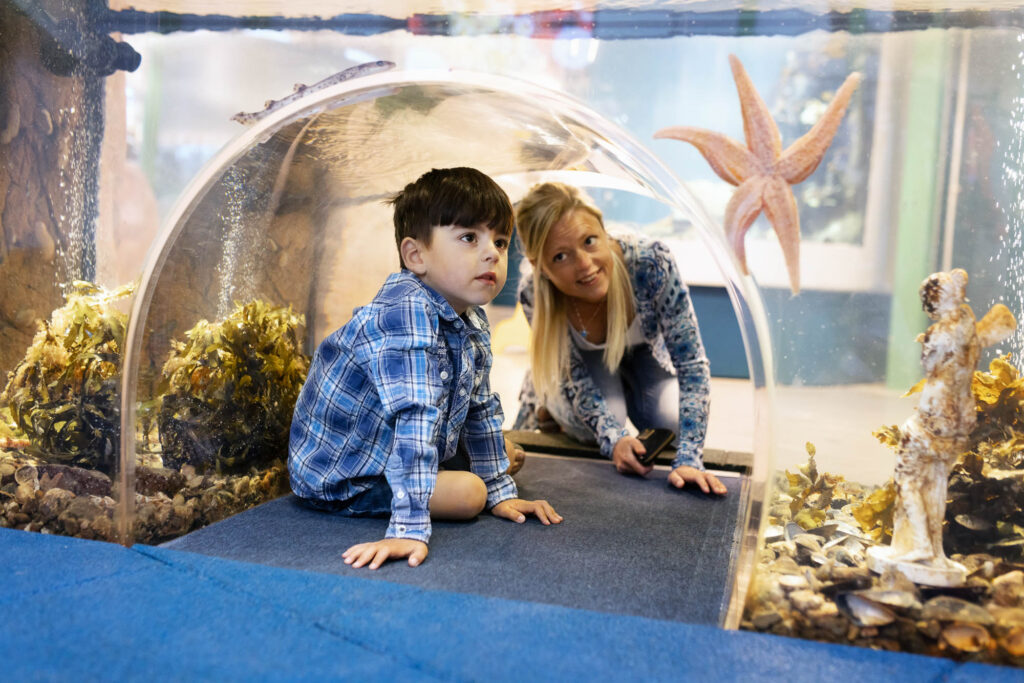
(628,545)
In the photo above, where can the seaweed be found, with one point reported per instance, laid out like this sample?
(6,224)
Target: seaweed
(875,513)
(986,486)
(811,492)
(228,392)
(64,396)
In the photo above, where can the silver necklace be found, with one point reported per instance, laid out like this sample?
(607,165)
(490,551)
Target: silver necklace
(583,325)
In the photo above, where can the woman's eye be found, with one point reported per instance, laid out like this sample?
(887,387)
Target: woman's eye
(557,258)
(591,241)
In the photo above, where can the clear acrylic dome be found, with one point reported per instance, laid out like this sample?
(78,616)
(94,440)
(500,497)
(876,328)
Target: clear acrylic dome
(291,213)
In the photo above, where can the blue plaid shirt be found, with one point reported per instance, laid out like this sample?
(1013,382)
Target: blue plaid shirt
(391,393)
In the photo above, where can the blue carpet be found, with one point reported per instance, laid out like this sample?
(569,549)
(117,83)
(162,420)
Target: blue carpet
(84,610)
(628,545)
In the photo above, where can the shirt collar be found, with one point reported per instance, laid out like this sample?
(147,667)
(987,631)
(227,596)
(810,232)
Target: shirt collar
(474,319)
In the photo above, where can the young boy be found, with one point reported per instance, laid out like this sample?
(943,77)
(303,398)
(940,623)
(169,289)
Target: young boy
(395,391)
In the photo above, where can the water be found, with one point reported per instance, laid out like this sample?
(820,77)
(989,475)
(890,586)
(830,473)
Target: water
(924,173)
(1011,242)
(76,205)
(238,264)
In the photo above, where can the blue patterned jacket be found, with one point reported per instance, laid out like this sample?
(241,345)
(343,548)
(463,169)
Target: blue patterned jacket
(669,326)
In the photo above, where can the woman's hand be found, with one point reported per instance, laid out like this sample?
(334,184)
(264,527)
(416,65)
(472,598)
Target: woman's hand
(624,456)
(378,552)
(516,456)
(545,422)
(516,510)
(705,480)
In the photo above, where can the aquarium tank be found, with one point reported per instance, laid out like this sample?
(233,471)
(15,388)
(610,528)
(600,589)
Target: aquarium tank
(192,196)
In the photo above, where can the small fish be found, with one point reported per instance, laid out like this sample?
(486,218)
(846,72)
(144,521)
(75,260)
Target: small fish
(247,119)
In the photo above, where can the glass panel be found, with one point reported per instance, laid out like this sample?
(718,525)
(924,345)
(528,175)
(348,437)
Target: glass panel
(285,218)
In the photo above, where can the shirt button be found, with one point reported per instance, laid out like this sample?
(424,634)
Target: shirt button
(462,392)
(401,528)
(444,374)
(399,494)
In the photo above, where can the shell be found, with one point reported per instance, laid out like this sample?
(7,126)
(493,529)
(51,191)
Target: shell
(27,475)
(966,637)
(793,582)
(842,556)
(864,612)
(892,598)
(1008,616)
(826,531)
(845,586)
(808,541)
(1013,642)
(945,608)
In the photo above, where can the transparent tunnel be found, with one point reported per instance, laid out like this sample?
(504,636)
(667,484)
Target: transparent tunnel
(286,229)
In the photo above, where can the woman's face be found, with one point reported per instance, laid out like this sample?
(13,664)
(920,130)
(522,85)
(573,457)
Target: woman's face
(577,257)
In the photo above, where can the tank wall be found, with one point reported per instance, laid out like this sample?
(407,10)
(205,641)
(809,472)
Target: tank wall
(922,175)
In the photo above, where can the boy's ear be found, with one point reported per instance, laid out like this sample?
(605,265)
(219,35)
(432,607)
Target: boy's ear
(412,255)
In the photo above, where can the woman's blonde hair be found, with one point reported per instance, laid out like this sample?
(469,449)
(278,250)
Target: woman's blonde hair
(536,214)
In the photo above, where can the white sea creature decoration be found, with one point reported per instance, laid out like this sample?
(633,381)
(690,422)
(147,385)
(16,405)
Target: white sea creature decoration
(938,432)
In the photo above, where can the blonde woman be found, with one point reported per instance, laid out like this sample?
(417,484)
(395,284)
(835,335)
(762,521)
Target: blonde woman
(613,337)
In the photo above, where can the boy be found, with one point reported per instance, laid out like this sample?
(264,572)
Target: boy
(395,391)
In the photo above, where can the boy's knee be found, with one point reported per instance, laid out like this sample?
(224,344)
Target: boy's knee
(458,495)
(474,495)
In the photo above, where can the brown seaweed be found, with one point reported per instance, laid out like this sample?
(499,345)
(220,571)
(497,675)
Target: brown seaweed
(811,492)
(228,391)
(64,396)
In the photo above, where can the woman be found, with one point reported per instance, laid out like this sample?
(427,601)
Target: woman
(613,336)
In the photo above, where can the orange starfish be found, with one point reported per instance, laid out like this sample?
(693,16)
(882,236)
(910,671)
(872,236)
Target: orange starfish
(761,170)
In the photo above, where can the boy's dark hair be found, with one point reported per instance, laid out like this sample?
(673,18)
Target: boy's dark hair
(450,196)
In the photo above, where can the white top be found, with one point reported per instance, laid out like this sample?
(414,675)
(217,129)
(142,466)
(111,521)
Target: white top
(634,337)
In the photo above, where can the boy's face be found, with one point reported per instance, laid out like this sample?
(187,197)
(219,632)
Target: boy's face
(467,266)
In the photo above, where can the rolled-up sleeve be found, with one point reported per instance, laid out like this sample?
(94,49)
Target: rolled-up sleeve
(482,434)
(400,355)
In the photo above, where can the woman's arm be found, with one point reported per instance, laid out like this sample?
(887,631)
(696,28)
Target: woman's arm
(671,305)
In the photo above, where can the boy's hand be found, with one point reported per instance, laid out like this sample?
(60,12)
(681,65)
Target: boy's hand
(516,510)
(379,552)
(705,480)
(624,456)
(516,456)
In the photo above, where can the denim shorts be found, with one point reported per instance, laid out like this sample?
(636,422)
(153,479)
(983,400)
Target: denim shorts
(373,502)
(376,500)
